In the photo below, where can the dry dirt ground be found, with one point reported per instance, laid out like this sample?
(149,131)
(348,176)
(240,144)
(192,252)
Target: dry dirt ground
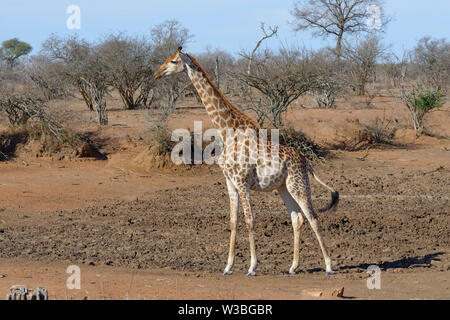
(140,234)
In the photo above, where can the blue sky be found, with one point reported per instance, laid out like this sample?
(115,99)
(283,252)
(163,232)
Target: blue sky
(230,25)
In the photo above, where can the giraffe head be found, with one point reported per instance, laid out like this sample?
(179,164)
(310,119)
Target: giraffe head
(174,64)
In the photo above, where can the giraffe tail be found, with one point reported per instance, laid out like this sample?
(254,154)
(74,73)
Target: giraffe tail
(334,194)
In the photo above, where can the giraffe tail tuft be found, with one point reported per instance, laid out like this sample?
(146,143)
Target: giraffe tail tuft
(333,204)
(334,194)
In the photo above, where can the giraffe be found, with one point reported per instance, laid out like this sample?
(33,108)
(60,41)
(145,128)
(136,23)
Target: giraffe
(290,177)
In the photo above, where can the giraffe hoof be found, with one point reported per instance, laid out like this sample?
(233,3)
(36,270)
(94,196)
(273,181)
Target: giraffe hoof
(329,273)
(227,273)
(290,272)
(250,273)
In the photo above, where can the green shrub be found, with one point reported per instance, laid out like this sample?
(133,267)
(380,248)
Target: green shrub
(419,102)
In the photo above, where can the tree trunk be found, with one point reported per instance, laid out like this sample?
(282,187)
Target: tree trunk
(339,44)
(362,82)
(98,95)
(127,99)
(144,93)
(87,98)
(100,108)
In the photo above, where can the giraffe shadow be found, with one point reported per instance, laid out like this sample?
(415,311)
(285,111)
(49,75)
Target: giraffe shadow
(404,263)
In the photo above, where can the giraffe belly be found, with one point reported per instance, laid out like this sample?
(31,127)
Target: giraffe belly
(263,181)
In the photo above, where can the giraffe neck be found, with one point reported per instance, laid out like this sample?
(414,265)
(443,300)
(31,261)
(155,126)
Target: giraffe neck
(222,113)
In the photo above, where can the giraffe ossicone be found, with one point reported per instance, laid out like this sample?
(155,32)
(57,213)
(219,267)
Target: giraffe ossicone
(289,176)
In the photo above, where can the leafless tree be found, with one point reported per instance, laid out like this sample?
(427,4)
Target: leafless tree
(166,38)
(339,17)
(217,62)
(84,66)
(396,68)
(129,63)
(362,59)
(432,58)
(330,81)
(267,34)
(279,79)
(72,53)
(47,77)
(95,77)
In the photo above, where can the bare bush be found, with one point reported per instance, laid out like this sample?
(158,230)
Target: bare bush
(129,68)
(167,38)
(432,58)
(279,79)
(361,60)
(170,90)
(27,112)
(20,108)
(72,53)
(330,81)
(381,131)
(217,62)
(396,68)
(84,66)
(48,77)
(14,80)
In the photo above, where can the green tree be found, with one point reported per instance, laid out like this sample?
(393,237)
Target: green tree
(13,49)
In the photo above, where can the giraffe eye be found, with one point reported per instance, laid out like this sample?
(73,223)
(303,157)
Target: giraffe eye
(174,62)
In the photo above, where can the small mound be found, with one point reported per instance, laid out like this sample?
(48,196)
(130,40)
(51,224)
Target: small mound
(88,150)
(26,141)
(10,140)
(151,159)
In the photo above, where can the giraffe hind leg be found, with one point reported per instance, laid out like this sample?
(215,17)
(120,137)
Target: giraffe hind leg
(301,192)
(308,210)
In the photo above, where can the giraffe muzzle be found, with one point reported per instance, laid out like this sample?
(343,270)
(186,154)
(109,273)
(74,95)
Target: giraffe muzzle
(158,74)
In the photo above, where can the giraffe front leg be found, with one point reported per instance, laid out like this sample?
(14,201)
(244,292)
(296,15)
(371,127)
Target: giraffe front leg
(234,210)
(249,220)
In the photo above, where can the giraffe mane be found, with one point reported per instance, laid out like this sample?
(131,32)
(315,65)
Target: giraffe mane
(229,104)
